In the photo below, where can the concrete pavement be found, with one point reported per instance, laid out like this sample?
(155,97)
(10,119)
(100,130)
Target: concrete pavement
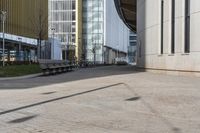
(101,100)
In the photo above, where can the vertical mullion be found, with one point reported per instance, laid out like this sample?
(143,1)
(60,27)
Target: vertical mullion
(173,28)
(162,25)
(187,26)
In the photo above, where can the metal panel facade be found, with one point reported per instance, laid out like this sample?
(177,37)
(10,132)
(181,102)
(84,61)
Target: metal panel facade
(26,17)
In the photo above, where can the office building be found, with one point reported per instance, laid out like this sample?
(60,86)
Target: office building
(65,25)
(25,23)
(167,34)
(105,37)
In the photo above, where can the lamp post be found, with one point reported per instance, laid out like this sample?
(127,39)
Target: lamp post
(3,18)
(53,34)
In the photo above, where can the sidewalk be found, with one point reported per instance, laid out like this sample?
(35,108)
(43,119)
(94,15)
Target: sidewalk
(114,99)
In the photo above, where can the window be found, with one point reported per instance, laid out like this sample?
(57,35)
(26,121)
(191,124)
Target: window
(133,38)
(133,43)
(73,5)
(162,26)
(187,26)
(173,28)
(73,16)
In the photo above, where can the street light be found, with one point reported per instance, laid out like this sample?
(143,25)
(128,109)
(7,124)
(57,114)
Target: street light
(53,30)
(3,18)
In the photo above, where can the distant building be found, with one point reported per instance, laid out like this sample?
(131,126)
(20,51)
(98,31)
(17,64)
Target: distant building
(51,49)
(132,48)
(64,24)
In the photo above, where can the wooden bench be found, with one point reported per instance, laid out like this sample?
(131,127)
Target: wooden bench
(55,66)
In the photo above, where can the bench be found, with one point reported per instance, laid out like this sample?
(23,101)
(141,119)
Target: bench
(55,66)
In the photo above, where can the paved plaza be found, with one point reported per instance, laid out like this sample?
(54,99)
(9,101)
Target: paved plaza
(112,99)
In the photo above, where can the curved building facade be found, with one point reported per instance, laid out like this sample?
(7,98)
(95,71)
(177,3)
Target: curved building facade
(127,11)
(168,35)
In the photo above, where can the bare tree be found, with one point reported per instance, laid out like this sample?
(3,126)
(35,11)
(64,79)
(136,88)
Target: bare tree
(94,53)
(40,26)
(94,50)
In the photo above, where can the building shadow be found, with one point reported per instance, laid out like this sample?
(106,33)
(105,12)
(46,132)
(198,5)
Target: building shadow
(81,74)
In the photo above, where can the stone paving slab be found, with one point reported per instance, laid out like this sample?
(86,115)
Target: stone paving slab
(101,100)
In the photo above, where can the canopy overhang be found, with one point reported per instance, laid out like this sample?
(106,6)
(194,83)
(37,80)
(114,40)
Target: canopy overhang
(127,11)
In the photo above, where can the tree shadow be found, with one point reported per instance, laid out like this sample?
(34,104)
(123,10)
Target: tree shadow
(57,99)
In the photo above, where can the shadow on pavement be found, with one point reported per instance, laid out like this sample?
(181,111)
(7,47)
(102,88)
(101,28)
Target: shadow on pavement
(20,120)
(152,110)
(48,93)
(56,99)
(81,74)
(133,99)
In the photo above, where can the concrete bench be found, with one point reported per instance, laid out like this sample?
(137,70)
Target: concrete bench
(55,66)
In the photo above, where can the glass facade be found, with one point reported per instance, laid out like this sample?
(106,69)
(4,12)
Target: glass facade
(62,24)
(132,47)
(93,29)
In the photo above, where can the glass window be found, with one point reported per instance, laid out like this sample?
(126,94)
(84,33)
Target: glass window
(187,26)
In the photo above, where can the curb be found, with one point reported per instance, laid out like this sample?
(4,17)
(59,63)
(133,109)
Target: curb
(22,77)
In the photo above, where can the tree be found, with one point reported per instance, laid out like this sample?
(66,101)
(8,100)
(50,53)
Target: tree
(40,25)
(94,53)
